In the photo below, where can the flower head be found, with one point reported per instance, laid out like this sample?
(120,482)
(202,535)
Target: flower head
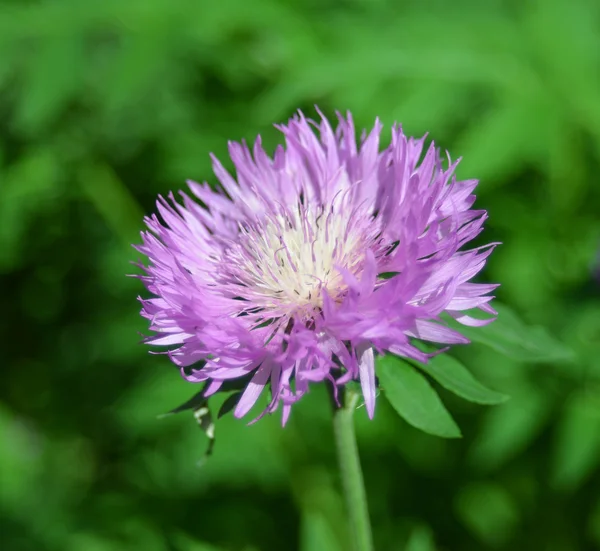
(309,263)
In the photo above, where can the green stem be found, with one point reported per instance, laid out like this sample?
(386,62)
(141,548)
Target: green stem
(351,473)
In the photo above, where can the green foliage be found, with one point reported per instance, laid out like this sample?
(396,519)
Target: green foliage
(577,448)
(454,376)
(509,336)
(421,539)
(413,398)
(508,429)
(488,511)
(106,104)
(316,535)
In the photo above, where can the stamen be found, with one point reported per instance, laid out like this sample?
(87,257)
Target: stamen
(286,260)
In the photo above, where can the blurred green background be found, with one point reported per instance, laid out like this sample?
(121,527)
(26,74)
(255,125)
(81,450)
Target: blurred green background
(103,105)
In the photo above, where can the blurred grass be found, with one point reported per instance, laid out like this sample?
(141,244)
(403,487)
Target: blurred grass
(105,105)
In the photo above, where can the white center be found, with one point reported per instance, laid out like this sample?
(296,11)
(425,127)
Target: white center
(287,261)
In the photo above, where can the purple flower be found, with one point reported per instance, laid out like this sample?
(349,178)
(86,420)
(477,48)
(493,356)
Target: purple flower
(307,264)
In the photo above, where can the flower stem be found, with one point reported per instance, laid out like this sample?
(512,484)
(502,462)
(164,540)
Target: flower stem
(351,473)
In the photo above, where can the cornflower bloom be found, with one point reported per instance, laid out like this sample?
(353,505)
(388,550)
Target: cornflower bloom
(306,265)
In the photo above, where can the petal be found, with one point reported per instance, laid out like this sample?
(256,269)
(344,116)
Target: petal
(253,390)
(366,370)
(469,320)
(434,332)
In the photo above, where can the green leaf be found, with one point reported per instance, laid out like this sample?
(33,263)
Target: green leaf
(509,429)
(196,401)
(140,64)
(510,336)
(488,511)
(421,539)
(455,377)
(28,186)
(229,403)
(53,74)
(199,404)
(186,543)
(112,199)
(492,149)
(317,534)
(414,399)
(577,451)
